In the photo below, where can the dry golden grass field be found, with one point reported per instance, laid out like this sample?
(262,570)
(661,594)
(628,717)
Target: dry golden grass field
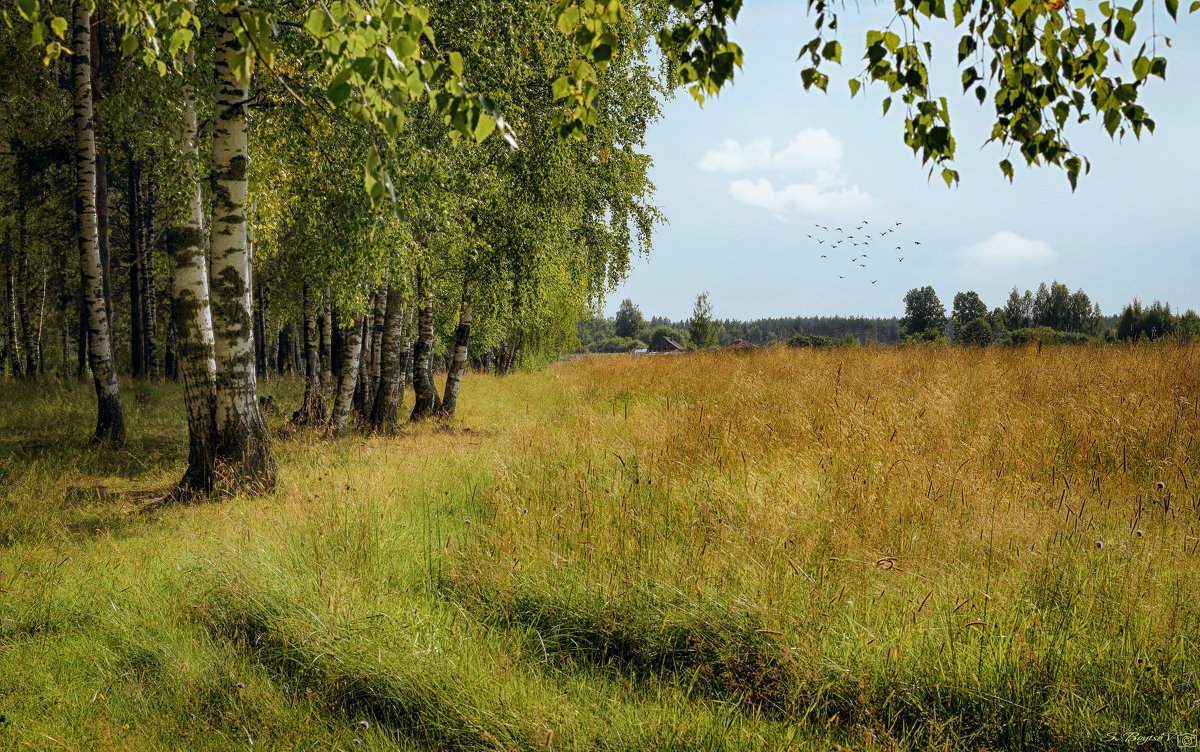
(904,548)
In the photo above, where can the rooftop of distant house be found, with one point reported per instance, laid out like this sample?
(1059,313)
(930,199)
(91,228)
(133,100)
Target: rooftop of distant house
(742,344)
(665,344)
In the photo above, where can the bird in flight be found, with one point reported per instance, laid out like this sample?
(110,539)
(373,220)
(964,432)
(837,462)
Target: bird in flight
(820,242)
(863,266)
(864,256)
(901,258)
(874,281)
(854,259)
(839,229)
(916,242)
(840,277)
(899,223)
(824,256)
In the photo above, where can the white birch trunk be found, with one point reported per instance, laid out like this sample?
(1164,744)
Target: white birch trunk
(347,378)
(427,401)
(383,411)
(110,421)
(313,408)
(376,339)
(458,363)
(243,444)
(191,312)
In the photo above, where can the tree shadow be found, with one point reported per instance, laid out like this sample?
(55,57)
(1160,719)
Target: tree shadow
(132,459)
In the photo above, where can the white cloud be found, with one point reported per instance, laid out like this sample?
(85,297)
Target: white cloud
(812,158)
(812,149)
(1008,249)
(733,157)
(810,198)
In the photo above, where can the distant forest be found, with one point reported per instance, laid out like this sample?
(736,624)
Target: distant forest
(599,334)
(1052,314)
(765,331)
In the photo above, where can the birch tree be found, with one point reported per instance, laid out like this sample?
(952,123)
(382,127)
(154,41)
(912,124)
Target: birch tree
(191,310)
(243,446)
(110,419)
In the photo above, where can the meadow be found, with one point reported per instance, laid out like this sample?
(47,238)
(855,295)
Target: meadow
(866,548)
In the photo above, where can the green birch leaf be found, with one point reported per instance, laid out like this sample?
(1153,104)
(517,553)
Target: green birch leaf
(180,40)
(317,22)
(561,87)
(484,128)
(28,9)
(406,47)
(339,88)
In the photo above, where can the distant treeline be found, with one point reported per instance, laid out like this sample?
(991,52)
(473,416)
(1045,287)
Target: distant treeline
(1051,315)
(629,331)
(765,331)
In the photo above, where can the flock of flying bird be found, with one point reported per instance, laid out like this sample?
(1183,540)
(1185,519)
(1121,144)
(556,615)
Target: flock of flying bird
(862,240)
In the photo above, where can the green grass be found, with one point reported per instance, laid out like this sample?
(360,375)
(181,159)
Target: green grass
(787,551)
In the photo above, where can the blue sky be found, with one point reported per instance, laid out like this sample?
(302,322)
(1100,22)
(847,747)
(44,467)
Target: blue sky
(743,180)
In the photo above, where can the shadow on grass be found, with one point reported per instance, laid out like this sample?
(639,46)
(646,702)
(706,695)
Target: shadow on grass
(701,645)
(418,700)
(133,459)
(724,654)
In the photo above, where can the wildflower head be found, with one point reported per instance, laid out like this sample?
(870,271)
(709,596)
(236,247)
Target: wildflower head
(1160,485)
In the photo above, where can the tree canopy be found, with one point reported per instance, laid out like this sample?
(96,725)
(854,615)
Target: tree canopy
(1045,65)
(924,313)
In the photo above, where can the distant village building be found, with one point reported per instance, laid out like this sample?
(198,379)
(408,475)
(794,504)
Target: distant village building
(741,344)
(664,344)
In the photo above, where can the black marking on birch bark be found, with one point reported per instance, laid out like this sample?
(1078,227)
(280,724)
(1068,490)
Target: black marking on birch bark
(243,445)
(347,379)
(458,366)
(387,394)
(312,410)
(110,418)
(427,400)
